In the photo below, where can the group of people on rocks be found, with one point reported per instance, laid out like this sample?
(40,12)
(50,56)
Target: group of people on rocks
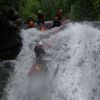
(39,50)
(41,18)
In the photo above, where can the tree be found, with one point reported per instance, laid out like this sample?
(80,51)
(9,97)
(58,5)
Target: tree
(97,9)
(82,10)
(50,7)
(28,8)
(14,3)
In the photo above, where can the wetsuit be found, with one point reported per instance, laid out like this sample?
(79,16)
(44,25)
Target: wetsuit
(56,23)
(39,51)
(40,19)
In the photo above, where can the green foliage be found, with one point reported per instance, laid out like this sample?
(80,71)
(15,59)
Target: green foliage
(75,13)
(13,3)
(74,9)
(97,9)
(82,10)
(50,7)
(28,8)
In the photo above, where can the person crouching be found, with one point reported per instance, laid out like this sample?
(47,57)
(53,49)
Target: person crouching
(39,50)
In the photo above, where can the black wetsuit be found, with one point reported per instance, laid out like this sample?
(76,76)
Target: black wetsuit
(56,23)
(40,19)
(39,51)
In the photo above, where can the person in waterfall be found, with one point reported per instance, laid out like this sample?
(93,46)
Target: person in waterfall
(40,18)
(39,50)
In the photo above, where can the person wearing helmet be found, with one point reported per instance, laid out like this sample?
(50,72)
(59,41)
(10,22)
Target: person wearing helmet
(40,18)
(39,51)
(59,14)
(31,22)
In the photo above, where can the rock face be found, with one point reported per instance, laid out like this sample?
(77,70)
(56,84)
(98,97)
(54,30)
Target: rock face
(10,41)
(6,68)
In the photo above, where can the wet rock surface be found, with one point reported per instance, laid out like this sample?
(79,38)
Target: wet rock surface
(10,41)
(10,45)
(6,68)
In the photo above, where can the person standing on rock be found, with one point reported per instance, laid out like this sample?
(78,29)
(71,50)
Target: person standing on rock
(40,18)
(59,14)
(39,50)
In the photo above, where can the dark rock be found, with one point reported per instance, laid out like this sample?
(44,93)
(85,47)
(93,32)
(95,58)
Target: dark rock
(10,41)
(12,14)
(6,68)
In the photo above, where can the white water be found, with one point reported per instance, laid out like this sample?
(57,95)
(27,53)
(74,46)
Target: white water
(74,50)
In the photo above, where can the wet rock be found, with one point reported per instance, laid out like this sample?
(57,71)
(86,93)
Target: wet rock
(10,41)
(5,70)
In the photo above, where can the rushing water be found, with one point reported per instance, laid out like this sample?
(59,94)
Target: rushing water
(73,63)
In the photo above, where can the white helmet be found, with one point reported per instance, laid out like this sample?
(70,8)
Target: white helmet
(61,10)
(40,43)
(39,11)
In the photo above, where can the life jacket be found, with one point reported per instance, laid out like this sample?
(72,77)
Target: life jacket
(31,24)
(59,14)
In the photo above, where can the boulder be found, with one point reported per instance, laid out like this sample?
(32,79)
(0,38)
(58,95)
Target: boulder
(10,41)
